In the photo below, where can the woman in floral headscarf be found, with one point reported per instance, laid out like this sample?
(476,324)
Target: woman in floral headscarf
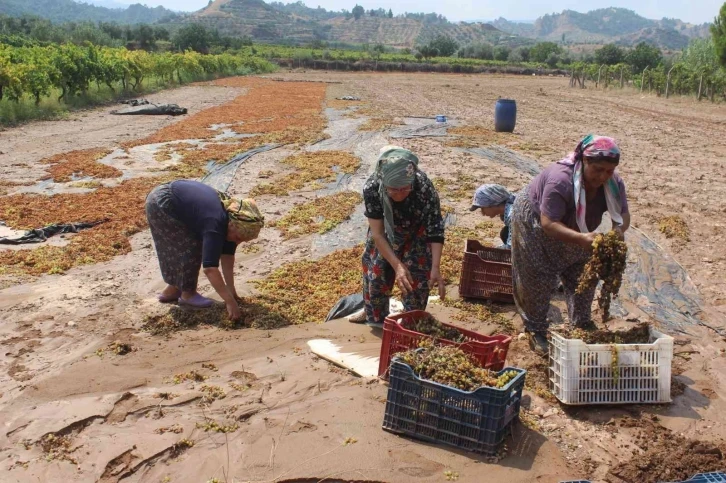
(194,225)
(553,222)
(405,235)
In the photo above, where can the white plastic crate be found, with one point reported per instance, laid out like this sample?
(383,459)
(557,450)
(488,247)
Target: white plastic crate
(585,373)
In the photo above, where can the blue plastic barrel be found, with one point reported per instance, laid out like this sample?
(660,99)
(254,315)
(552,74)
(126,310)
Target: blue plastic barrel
(505,115)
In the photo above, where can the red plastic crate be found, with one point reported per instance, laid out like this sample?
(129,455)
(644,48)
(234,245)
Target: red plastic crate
(489,351)
(486,273)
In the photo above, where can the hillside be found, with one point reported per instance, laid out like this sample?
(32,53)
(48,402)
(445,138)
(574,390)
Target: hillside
(668,38)
(298,23)
(607,25)
(406,32)
(254,18)
(515,28)
(70,11)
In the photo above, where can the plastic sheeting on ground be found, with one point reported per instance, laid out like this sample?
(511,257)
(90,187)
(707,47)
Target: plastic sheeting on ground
(507,157)
(220,175)
(659,286)
(352,305)
(435,129)
(42,234)
(152,110)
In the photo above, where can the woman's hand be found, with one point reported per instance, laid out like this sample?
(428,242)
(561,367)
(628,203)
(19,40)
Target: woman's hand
(225,292)
(436,280)
(588,239)
(233,310)
(404,279)
(618,229)
(233,292)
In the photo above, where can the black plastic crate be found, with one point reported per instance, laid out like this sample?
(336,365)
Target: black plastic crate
(477,421)
(707,478)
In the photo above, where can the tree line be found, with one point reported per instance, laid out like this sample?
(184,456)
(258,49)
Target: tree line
(36,71)
(30,31)
(359,11)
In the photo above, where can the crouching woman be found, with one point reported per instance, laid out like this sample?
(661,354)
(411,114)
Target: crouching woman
(194,225)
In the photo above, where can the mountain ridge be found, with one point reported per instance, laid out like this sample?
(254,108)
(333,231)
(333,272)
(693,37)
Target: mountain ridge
(611,24)
(71,11)
(298,23)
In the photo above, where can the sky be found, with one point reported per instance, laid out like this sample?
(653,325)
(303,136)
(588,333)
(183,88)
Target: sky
(694,11)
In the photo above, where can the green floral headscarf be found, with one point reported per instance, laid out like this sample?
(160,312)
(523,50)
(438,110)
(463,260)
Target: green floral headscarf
(396,168)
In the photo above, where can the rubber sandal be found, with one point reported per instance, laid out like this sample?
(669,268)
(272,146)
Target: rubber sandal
(167,299)
(539,343)
(197,301)
(358,319)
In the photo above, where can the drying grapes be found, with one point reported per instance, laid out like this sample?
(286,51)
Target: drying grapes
(452,367)
(607,263)
(640,334)
(429,325)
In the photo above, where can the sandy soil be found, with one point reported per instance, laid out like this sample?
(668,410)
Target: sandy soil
(23,146)
(293,410)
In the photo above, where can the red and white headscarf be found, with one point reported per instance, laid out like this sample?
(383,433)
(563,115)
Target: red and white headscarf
(598,148)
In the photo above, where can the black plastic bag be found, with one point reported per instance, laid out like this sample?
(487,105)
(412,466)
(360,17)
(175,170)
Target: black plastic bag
(152,110)
(346,306)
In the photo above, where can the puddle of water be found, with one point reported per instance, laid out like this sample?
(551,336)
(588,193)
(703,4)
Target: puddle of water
(7,232)
(49,187)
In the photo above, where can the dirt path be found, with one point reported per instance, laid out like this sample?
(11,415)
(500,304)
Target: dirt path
(22,147)
(58,373)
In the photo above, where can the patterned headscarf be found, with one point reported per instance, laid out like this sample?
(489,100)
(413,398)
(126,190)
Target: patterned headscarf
(599,148)
(488,195)
(396,168)
(243,215)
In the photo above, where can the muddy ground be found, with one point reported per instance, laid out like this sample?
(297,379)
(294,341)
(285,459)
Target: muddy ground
(124,418)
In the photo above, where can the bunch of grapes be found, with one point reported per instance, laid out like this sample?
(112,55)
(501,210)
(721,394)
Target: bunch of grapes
(607,263)
(430,326)
(452,367)
(504,379)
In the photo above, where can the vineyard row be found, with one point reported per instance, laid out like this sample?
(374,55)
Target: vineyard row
(72,69)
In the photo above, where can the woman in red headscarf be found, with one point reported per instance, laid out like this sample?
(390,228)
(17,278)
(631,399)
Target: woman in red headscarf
(554,221)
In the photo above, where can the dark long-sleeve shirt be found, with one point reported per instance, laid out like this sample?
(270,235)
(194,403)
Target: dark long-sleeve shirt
(198,206)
